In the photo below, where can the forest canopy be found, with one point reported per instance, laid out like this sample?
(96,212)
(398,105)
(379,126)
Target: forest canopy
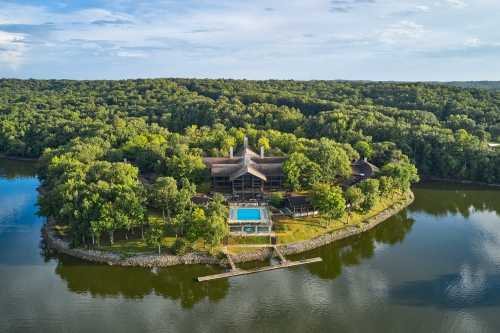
(444,130)
(112,151)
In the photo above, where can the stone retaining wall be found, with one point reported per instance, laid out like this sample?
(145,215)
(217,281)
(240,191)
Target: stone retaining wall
(149,260)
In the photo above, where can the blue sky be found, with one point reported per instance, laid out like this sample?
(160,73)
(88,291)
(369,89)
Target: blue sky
(406,40)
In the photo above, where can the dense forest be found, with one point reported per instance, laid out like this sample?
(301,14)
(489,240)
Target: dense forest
(444,130)
(492,85)
(84,131)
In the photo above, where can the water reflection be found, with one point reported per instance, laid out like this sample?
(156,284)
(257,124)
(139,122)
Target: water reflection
(175,283)
(439,199)
(438,260)
(10,169)
(351,251)
(452,291)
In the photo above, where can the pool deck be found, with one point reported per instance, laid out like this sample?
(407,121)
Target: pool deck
(262,217)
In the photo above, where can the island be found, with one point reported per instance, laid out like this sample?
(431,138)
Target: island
(158,172)
(234,208)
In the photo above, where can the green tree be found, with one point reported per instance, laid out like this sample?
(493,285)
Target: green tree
(332,160)
(329,200)
(300,172)
(355,197)
(154,234)
(216,224)
(403,174)
(370,189)
(165,195)
(364,149)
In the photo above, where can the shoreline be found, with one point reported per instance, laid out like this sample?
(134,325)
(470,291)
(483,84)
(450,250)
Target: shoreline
(455,181)
(166,260)
(17,158)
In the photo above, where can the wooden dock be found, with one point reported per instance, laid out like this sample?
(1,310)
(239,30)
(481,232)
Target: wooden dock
(238,272)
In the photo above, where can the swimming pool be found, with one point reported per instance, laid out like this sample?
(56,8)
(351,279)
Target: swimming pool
(248,214)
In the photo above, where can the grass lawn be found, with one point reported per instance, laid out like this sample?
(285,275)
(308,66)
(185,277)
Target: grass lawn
(241,250)
(288,230)
(234,240)
(134,246)
(292,230)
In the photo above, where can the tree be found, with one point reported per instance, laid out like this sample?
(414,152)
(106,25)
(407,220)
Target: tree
(403,174)
(332,160)
(216,224)
(264,143)
(300,172)
(355,197)
(165,195)
(154,234)
(185,163)
(386,185)
(194,224)
(364,149)
(328,199)
(370,189)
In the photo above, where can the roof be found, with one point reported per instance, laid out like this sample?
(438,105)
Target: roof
(200,199)
(364,168)
(250,169)
(298,200)
(248,162)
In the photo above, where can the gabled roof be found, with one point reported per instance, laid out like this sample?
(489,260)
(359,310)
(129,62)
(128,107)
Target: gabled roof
(250,169)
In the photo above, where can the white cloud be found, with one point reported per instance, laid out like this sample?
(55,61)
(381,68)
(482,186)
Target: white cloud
(12,48)
(472,42)
(129,54)
(457,3)
(243,39)
(422,8)
(402,32)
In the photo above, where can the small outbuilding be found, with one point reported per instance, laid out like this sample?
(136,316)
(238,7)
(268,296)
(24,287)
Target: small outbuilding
(300,205)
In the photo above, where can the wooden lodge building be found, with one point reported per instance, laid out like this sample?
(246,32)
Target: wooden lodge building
(246,175)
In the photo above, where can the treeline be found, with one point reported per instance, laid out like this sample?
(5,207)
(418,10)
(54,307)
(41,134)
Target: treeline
(444,130)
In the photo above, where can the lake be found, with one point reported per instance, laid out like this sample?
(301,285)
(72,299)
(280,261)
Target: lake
(435,267)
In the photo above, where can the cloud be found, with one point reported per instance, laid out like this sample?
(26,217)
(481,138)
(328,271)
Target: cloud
(12,48)
(33,29)
(245,39)
(129,54)
(470,49)
(457,3)
(402,32)
(345,6)
(413,10)
(112,22)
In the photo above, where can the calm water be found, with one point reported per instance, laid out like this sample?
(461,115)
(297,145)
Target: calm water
(434,267)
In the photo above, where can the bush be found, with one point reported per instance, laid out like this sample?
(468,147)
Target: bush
(277,199)
(181,246)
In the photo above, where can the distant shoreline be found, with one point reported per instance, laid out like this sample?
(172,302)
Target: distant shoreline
(456,181)
(166,260)
(18,158)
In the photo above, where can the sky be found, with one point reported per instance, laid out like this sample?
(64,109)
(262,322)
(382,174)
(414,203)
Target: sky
(401,40)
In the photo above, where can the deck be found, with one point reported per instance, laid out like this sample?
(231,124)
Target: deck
(284,263)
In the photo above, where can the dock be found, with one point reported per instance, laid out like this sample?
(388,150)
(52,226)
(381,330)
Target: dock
(234,271)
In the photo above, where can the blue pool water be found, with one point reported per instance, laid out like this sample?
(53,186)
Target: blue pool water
(248,214)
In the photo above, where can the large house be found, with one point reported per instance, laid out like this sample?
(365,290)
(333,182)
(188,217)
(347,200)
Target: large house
(246,174)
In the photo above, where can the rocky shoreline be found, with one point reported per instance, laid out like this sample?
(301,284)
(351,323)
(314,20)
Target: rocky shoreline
(165,260)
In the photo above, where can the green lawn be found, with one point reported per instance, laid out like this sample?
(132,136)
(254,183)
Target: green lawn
(134,246)
(292,230)
(288,230)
